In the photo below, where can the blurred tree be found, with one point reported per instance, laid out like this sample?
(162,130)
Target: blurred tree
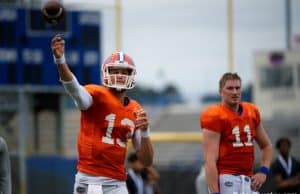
(170,89)
(169,94)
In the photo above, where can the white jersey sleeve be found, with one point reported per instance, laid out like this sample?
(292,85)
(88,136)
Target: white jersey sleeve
(81,97)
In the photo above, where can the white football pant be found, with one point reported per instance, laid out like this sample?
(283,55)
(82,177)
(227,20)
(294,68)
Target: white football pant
(87,184)
(235,184)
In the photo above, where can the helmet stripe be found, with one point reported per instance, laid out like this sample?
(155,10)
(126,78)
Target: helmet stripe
(121,57)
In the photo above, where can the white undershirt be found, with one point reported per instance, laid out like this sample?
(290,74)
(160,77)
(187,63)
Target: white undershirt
(81,97)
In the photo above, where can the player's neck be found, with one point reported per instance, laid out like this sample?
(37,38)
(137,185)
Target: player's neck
(233,107)
(120,95)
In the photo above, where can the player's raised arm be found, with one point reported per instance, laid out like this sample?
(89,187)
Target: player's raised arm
(79,94)
(58,50)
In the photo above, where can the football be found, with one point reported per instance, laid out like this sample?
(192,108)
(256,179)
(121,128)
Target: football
(53,11)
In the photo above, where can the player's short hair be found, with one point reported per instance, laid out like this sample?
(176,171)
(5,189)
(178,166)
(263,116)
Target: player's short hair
(228,76)
(283,140)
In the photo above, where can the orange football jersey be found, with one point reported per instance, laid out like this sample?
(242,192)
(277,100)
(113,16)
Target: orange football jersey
(236,149)
(105,128)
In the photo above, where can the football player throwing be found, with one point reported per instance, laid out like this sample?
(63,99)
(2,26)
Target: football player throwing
(109,118)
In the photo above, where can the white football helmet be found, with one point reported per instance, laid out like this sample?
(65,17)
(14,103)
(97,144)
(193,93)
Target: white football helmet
(119,81)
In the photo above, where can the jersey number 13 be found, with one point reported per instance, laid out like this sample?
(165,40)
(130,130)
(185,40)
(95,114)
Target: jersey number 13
(110,127)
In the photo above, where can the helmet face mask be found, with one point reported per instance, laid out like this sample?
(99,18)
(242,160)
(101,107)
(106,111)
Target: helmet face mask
(118,71)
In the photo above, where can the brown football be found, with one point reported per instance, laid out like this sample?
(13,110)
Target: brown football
(53,11)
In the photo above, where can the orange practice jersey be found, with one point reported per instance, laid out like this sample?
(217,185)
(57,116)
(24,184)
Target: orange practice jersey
(105,128)
(236,149)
